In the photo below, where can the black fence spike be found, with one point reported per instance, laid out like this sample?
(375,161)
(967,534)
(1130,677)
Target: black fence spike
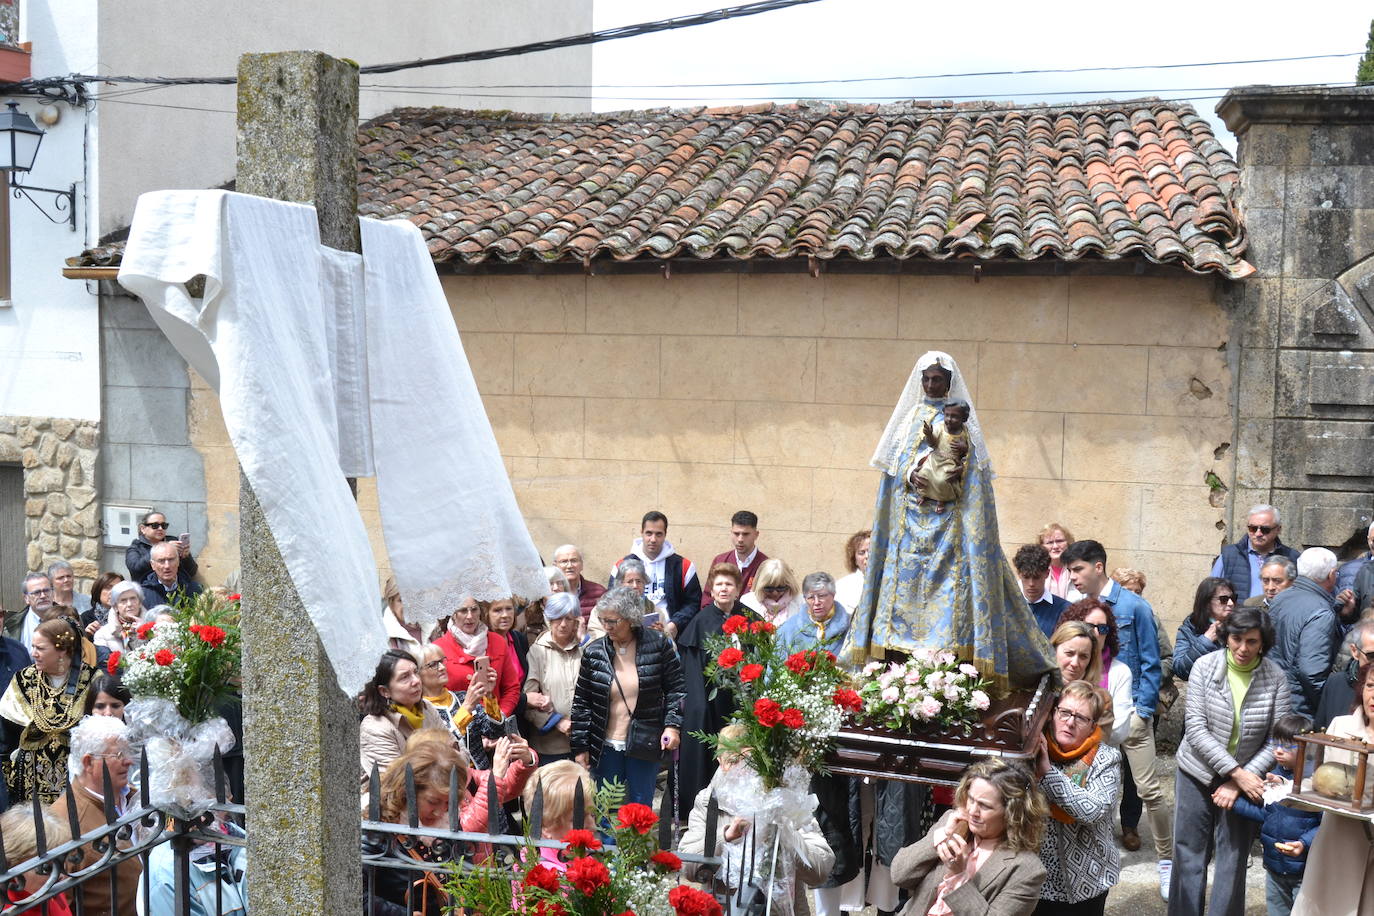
(218,761)
(412,807)
(665,814)
(107,786)
(579,812)
(493,804)
(455,822)
(537,809)
(73,816)
(374,795)
(40,833)
(143,779)
(712,819)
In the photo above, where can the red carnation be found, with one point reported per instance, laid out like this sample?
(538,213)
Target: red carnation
(164,657)
(768,712)
(688,901)
(733,624)
(730,658)
(831,656)
(797,663)
(543,877)
(582,839)
(761,626)
(667,859)
(637,817)
(234,598)
(848,699)
(212,635)
(145,628)
(112,665)
(750,672)
(549,908)
(626,913)
(793,718)
(588,875)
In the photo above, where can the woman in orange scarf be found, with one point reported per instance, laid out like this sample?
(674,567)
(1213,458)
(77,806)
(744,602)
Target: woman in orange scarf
(1080,775)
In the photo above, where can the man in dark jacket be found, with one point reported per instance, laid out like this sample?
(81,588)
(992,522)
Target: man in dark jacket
(167,584)
(1338,693)
(673,585)
(1240,562)
(1307,634)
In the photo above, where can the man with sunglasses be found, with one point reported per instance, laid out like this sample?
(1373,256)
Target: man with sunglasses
(1240,562)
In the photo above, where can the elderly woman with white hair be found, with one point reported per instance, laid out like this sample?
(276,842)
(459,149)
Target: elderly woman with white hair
(120,632)
(554,660)
(825,623)
(627,708)
(100,744)
(1307,632)
(21,844)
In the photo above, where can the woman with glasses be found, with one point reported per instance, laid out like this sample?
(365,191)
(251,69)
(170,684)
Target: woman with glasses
(469,715)
(469,645)
(776,596)
(1055,538)
(1235,695)
(152,530)
(1080,774)
(1079,659)
(554,658)
(1213,602)
(627,707)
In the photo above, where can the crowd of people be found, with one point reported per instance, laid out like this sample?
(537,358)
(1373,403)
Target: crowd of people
(594,684)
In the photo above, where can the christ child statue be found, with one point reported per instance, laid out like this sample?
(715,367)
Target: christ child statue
(939,475)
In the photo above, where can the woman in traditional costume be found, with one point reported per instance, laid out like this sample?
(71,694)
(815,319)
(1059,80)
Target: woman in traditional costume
(938,578)
(48,699)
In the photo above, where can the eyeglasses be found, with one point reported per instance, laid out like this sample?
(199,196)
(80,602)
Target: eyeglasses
(162,525)
(1260,529)
(436,665)
(1069,716)
(611,622)
(818,596)
(774,589)
(1102,628)
(1225,599)
(1285,745)
(464,611)
(40,591)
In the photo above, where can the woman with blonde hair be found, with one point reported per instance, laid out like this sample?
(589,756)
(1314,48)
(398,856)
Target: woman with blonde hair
(1077,652)
(21,844)
(557,783)
(988,845)
(1055,538)
(468,715)
(408,637)
(777,593)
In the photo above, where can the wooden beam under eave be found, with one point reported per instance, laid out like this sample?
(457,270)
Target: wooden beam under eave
(91,273)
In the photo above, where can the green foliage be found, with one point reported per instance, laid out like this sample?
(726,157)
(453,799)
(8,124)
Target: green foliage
(1365,74)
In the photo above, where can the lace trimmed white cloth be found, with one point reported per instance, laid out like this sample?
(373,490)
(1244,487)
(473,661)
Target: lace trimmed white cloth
(330,365)
(888,455)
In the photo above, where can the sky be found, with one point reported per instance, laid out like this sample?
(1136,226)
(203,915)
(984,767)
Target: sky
(831,40)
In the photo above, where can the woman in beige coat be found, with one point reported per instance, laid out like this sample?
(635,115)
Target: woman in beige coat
(554,659)
(393,708)
(983,857)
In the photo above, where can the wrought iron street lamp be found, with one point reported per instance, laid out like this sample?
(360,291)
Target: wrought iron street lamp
(19,142)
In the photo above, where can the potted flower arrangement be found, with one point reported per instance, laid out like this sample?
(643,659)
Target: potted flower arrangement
(181,671)
(632,878)
(931,690)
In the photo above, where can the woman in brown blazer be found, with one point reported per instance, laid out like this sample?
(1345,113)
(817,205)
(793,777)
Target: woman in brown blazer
(983,857)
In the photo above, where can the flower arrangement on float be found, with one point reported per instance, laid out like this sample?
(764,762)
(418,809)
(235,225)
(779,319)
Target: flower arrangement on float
(634,877)
(930,690)
(181,672)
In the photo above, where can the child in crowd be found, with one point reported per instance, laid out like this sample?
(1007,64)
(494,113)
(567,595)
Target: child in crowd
(559,782)
(939,476)
(1286,833)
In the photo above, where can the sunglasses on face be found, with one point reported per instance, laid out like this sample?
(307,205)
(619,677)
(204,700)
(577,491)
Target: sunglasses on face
(1259,529)
(1101,628)
(1225,599)
(162,525)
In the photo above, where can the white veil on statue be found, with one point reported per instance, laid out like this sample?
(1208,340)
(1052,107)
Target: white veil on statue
(888,456)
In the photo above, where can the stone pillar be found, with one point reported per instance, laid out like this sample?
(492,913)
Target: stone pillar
(297,141)
(1304,325)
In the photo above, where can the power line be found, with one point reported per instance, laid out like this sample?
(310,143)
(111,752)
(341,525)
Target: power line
(380,87)
(553,44)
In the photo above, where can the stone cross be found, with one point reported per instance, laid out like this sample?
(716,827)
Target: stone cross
(297,141)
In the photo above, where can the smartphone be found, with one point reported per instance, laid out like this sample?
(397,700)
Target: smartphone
(510,726)
(185,538)
(481,666)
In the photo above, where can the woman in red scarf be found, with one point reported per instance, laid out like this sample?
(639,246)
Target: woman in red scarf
(1080,775)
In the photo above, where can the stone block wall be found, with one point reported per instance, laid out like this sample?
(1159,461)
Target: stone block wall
(1304,324)
(61,506)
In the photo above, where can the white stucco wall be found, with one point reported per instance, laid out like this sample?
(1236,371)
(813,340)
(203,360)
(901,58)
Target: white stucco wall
(144,147)
(49,334)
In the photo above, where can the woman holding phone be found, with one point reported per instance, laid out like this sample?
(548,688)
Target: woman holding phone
(627,707)
(470,646)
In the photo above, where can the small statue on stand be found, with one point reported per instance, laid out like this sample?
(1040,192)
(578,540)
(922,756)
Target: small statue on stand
(939,475)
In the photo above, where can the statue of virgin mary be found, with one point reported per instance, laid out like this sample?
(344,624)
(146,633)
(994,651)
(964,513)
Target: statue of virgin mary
(939,579)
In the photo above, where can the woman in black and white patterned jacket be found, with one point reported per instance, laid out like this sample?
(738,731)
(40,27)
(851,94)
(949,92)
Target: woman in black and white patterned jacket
(1080,775)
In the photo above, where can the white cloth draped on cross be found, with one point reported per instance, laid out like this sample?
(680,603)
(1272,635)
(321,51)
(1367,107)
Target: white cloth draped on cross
(330,364)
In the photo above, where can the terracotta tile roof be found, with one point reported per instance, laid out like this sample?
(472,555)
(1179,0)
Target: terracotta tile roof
(1110,180)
